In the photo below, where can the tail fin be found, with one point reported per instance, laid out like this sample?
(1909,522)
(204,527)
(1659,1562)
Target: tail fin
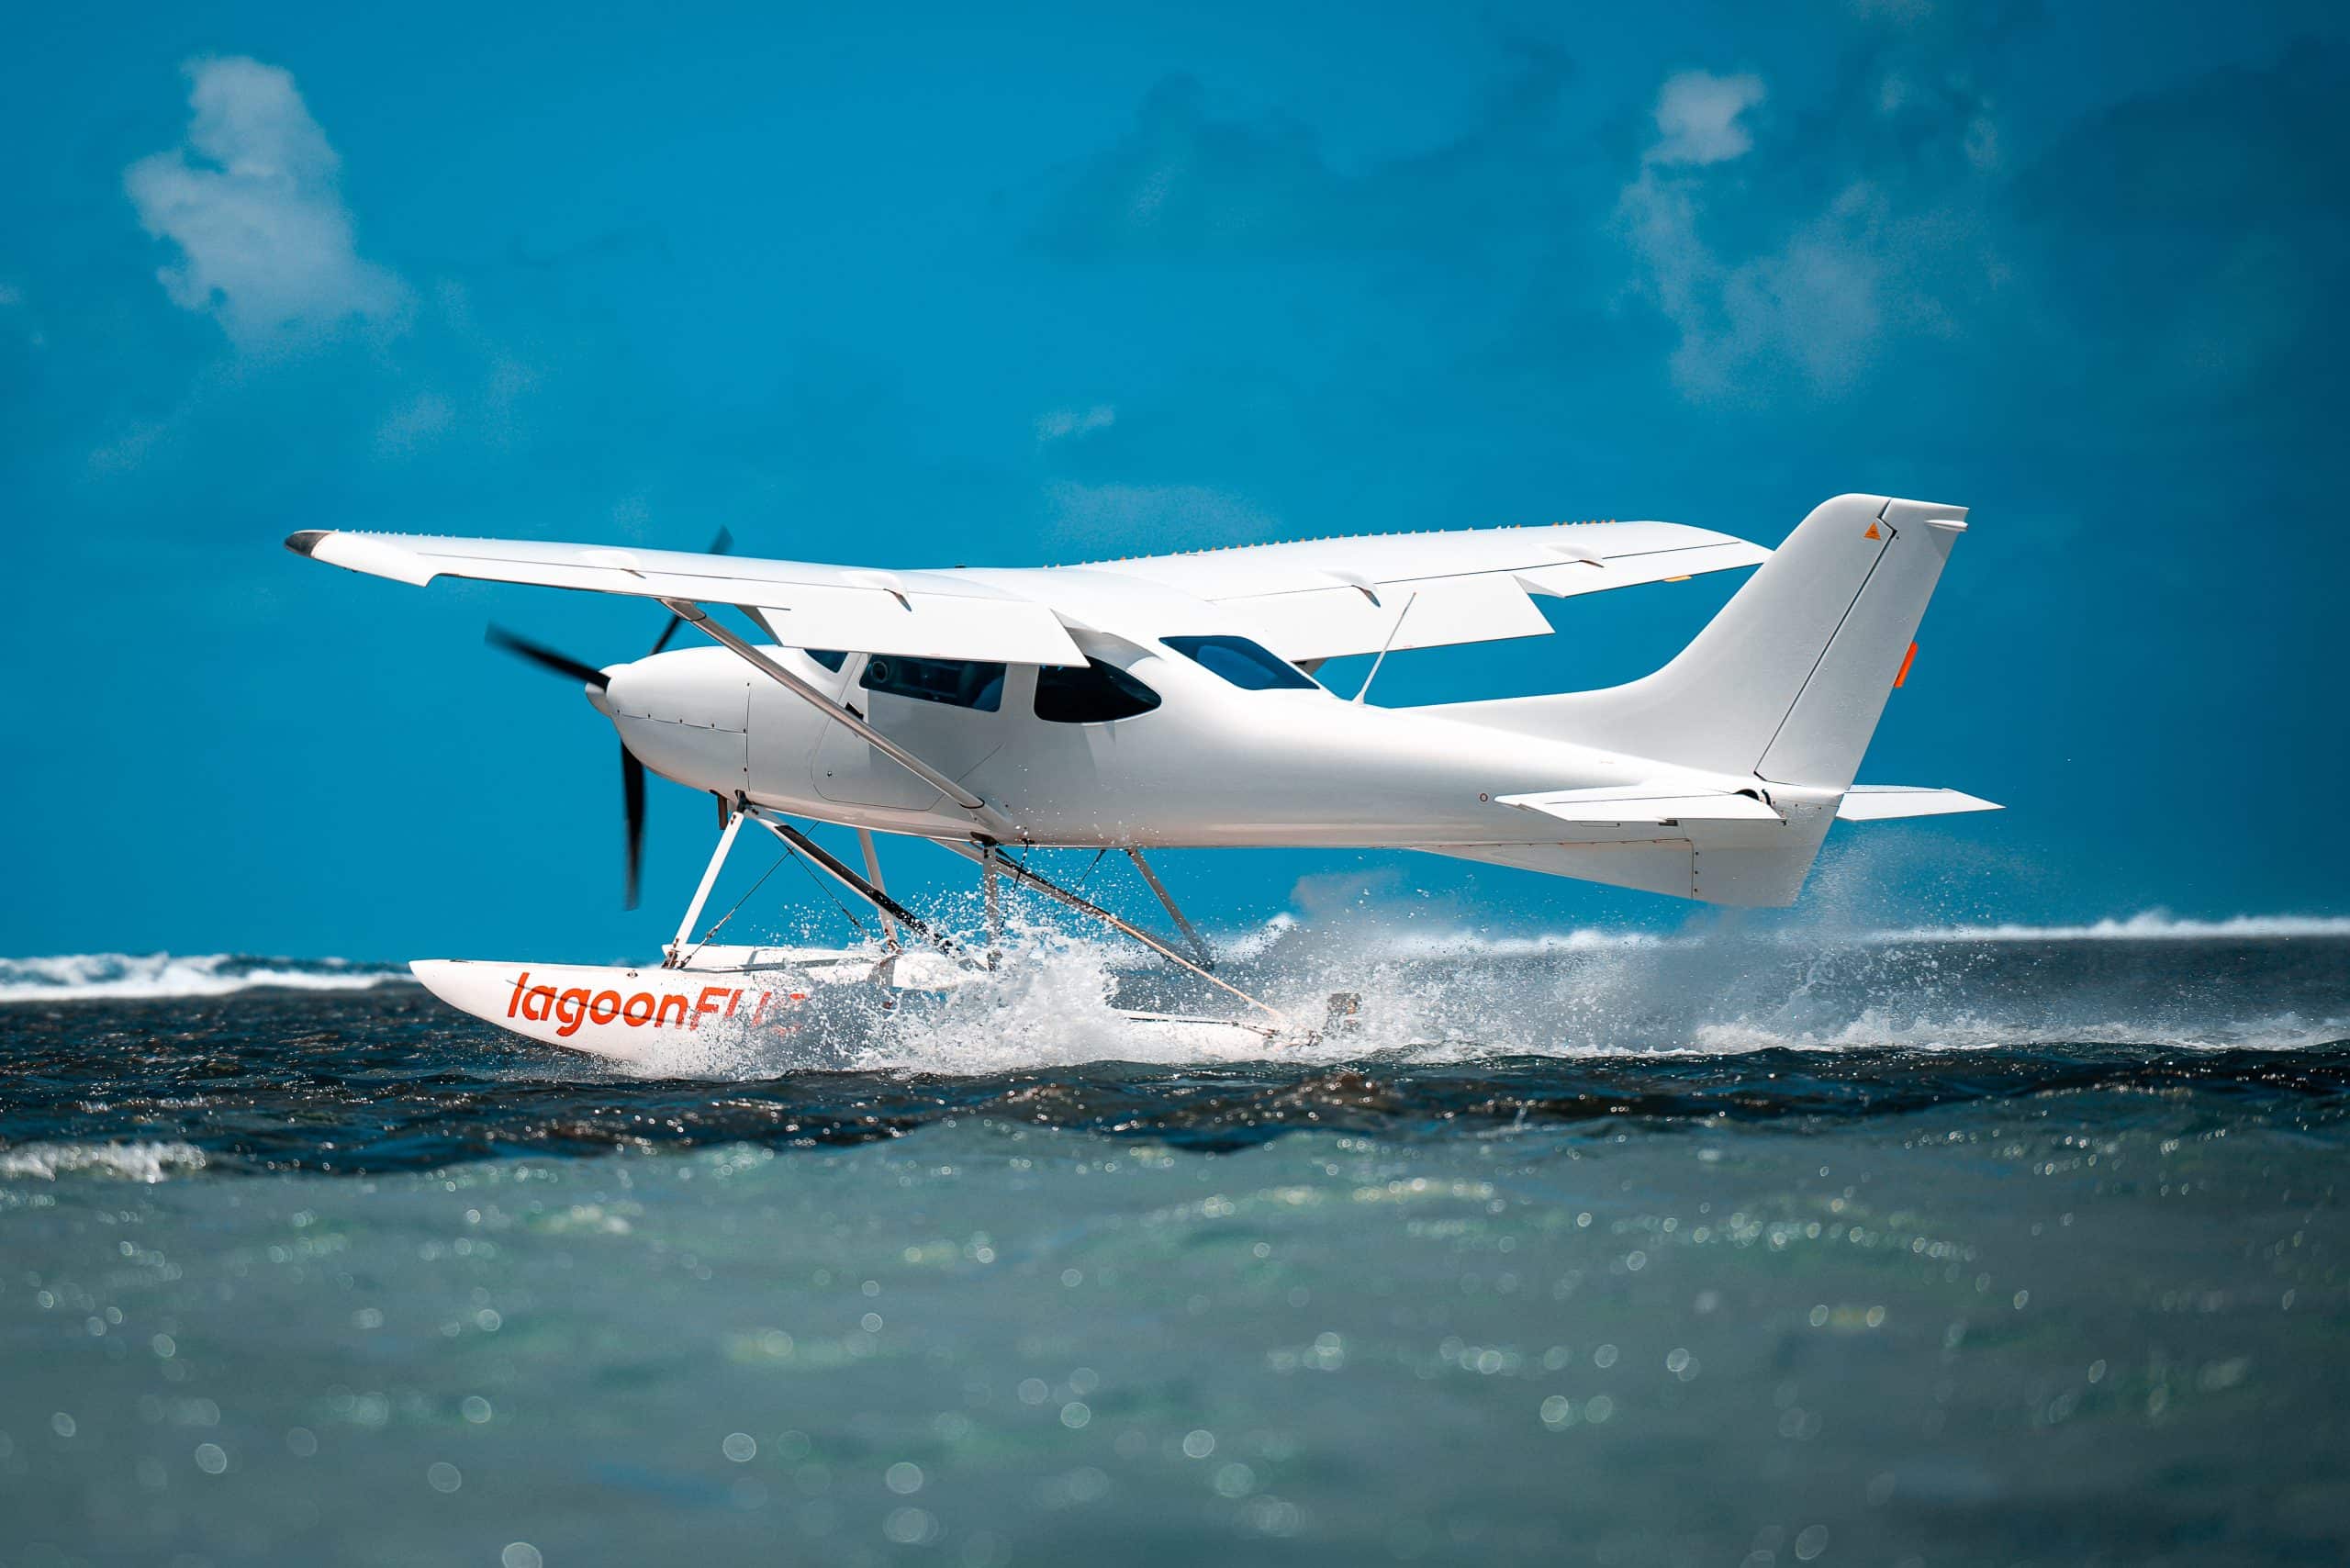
(1788,682)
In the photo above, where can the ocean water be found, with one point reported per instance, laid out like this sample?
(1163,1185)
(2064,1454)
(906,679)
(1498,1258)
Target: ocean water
(1983,1246)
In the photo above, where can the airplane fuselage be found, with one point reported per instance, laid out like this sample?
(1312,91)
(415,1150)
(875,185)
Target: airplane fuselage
(1212,765)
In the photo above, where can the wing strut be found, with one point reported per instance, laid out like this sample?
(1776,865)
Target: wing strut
(989,818)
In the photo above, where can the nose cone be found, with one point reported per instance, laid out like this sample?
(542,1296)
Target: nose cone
(684,713)
(702,687)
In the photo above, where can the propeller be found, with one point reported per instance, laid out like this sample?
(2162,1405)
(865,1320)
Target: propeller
(717,546)
(633,807)
(632,770)
(546,658)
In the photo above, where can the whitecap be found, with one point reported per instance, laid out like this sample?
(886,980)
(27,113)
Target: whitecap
(96,977)
(147,1162)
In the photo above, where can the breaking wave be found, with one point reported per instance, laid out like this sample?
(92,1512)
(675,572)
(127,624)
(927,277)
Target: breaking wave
(149,1162)
(131,977)
(2150,925)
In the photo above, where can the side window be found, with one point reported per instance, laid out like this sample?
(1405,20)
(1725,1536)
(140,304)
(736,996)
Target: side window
(1093,693)
(831,658)
(958,683)
(1243,663)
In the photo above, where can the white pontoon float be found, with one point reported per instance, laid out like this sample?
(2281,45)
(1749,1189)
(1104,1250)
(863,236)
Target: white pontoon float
(744,991)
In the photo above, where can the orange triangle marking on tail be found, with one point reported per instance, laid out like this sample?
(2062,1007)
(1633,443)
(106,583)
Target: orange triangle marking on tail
(1873,534)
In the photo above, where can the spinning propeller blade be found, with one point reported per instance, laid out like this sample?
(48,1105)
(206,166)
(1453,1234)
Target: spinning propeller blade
(633,805)
(546,657)
(632,770)
(717,546)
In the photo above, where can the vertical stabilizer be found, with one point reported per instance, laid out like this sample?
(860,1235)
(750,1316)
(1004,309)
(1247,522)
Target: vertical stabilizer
(1788,682)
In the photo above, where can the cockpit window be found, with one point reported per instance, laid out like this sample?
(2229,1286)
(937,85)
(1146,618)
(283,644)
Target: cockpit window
(1243,663)
(1092,693)
(959,683)
(831,658)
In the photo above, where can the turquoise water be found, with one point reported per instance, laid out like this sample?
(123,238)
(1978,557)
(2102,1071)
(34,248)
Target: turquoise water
(334,1275)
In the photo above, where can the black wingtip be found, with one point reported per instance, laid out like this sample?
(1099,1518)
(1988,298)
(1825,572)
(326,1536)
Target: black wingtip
(306,541)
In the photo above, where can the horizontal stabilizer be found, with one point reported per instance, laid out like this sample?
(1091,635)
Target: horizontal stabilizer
(1640,804)
(1887,802)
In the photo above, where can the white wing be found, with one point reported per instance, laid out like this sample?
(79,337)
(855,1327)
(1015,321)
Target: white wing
(1321,598)
(1310,599)
(943,615)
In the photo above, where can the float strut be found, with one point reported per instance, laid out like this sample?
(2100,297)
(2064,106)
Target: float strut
(992,893)
(1198,947)
(1019,873)
(675,956)
(873,875)
(882,904)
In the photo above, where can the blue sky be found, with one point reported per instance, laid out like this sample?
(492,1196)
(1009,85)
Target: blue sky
(936,286)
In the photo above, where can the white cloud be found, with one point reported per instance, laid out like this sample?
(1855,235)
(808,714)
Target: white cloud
(10,296)
(415,423)
(1134,519)
(1821,296)
(253,203)
(1815,306)
(1063,422)
(1697,117)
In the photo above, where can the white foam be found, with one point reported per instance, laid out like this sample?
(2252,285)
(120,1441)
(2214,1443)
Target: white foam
(94,976)
(147,1162)
(2148,925)
(1377,942)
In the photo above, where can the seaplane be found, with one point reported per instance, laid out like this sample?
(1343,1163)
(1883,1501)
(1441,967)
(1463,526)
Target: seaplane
(1170,702)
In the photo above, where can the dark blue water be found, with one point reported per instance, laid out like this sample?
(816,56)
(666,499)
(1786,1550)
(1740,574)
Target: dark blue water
(1934,1250)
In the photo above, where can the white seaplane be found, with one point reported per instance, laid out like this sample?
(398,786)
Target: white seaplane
(1169,702)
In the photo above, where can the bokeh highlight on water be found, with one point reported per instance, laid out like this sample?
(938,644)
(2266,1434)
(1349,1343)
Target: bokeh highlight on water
(1924,1247)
